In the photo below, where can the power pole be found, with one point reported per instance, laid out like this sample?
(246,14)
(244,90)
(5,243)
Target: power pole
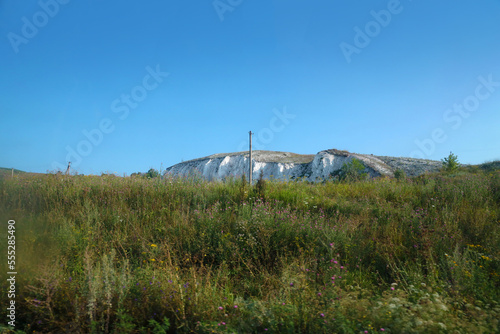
(250,160)
(68,169)
(12,172)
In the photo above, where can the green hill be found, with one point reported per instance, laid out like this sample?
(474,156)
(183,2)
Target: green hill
(8,171)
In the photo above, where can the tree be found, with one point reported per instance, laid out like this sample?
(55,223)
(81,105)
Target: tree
(152,173)
(450,163)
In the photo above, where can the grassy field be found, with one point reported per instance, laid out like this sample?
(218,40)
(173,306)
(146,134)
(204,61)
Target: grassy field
(107,254)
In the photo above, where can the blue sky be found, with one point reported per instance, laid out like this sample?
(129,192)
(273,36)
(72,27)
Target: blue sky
(122,86)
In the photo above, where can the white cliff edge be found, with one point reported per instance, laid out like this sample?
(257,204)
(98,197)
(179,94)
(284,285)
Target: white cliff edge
(278,165)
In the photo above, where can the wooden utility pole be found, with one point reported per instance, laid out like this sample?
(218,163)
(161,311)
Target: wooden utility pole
(250,160)
(12,172)
(68,169)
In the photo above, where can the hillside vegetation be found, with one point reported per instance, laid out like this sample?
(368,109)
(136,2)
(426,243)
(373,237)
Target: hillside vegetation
(128,255)
(6,172)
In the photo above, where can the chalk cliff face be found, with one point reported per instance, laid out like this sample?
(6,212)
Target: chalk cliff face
(289,166)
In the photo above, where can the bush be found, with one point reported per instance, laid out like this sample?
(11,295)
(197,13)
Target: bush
(400,174)
(352,171)
(260,186)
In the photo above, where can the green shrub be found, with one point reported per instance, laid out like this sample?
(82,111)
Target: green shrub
(400,174)
(260,186)
(352,171)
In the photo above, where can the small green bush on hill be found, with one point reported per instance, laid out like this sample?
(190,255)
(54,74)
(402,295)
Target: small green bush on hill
(353,170)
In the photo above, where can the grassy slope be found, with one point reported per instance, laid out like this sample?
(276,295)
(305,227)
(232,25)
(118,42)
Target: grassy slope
(8,172)
(121,254)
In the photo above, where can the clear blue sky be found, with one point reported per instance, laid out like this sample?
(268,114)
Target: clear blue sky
(401,78)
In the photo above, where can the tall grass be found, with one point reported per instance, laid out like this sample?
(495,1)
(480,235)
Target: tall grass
(127,255)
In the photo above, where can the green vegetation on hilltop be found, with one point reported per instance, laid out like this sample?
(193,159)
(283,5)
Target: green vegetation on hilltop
(130,255)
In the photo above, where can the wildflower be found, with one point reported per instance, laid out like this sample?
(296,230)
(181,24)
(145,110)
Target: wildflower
(235,306)
(220,308)
(322,315)
(392,288)
(291,284)
(153,245)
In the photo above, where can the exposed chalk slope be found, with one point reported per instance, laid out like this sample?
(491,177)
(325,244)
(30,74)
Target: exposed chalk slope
(286,165)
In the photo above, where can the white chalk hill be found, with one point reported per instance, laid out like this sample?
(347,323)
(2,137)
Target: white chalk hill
(290,166)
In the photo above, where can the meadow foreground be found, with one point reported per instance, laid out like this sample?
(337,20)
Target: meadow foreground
(107,254)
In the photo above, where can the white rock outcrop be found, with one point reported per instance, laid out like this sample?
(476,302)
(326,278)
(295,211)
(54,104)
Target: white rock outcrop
(278,165)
